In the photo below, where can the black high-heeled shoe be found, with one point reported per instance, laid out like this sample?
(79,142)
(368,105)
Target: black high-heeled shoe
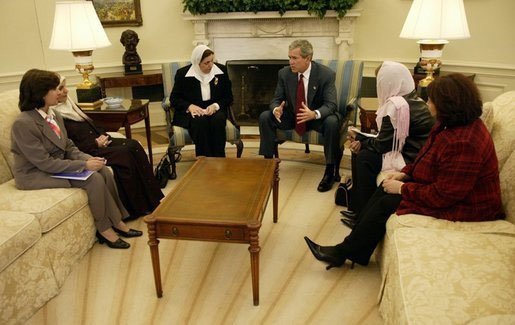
(326,254)
(128,234)
(349,214)
(348,222)
(119,243)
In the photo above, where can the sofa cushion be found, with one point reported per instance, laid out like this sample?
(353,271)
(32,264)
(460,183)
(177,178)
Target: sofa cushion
(503,132)
(507,177)
(10,110)
(18,232)
(50,206)
(420,221)
(488,116)
(447,276)
(5,171)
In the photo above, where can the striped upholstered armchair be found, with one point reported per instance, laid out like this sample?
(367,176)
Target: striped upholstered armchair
(179,137)
(348,88)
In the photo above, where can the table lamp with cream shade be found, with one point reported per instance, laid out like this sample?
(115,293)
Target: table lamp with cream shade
(77,29)
(433,23)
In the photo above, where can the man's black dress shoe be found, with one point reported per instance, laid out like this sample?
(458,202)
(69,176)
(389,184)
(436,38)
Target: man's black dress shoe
(128,234)
(119,243)
(327,254)
(349,214)
(326,183)
(349,222)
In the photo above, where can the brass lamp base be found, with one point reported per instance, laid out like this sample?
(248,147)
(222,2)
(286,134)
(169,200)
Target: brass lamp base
(427,80)
(430,54)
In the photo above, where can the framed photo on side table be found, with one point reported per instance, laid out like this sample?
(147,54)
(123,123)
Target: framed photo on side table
(115,13)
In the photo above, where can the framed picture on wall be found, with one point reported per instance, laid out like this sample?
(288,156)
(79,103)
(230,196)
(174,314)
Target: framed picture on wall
(115,13)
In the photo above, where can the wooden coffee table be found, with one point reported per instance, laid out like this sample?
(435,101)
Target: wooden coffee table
(238,192)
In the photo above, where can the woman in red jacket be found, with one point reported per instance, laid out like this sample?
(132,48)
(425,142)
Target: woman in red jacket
(454,177)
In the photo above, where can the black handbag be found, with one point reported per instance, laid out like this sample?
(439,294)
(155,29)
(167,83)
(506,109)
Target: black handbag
(342,196)
(163,171)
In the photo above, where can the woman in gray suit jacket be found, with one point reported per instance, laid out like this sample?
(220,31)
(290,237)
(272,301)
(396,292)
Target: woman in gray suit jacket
(41,148)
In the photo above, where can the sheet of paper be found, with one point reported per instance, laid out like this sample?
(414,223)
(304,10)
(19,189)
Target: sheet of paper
(370,135)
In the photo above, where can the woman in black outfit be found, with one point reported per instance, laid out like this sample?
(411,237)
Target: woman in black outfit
(397,99)
(135,181)
(201,96)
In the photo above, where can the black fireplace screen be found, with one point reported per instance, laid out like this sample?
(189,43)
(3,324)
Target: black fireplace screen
(253,86)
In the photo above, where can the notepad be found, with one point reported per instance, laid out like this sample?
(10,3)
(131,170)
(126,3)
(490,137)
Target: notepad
(80,176)
(369,135)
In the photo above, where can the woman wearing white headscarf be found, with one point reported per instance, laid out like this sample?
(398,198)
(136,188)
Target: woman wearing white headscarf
(403,120)
(137,187)
(201,96)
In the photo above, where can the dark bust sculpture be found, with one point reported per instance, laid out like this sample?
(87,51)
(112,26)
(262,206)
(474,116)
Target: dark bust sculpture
(131,58)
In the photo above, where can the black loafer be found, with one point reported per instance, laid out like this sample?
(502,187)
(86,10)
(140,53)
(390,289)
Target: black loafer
(349,222)
(128,234)
(326,183)
(349,214)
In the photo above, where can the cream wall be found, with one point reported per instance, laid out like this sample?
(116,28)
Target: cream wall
(164,36)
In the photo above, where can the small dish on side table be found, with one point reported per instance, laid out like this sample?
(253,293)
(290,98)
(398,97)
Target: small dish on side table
(113,102)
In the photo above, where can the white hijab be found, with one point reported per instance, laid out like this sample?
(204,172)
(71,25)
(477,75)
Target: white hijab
(394,81)
(204,78)
(69,110)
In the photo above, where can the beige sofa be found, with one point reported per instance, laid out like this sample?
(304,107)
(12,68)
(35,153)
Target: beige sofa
(441,272)
(43,233)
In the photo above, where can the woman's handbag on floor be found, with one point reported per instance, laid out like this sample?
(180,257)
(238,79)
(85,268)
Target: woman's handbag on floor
(342,194)
(163,171)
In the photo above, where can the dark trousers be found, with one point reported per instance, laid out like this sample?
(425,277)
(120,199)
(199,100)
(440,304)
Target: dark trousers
(366,165)
(329,127)
(208,134)
(359,245)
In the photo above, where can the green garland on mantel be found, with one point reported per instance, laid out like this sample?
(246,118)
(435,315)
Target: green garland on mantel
(314,7)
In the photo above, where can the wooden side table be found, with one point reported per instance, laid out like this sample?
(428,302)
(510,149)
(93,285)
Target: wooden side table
(422,91)
(367,114)
(131,111)
(135,80)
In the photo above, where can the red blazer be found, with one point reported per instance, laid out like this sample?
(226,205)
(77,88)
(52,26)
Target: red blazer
(455,176)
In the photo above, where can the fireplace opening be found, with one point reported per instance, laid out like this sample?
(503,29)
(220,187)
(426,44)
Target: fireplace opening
(253,86)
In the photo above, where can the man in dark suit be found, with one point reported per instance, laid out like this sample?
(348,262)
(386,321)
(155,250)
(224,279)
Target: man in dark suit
(305,99)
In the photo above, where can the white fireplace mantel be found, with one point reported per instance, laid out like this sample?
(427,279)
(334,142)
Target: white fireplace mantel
(266,35)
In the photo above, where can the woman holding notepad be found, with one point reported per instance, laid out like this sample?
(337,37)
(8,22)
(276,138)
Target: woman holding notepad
(41,148)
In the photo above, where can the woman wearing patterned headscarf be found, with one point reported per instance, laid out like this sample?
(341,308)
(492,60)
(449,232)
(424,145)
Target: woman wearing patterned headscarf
(403,121)
(137,187)
(201,96)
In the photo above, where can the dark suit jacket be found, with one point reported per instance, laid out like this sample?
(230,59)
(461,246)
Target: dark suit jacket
(321,91)
(186,91)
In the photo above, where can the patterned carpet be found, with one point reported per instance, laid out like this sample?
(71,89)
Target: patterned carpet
(210,283)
